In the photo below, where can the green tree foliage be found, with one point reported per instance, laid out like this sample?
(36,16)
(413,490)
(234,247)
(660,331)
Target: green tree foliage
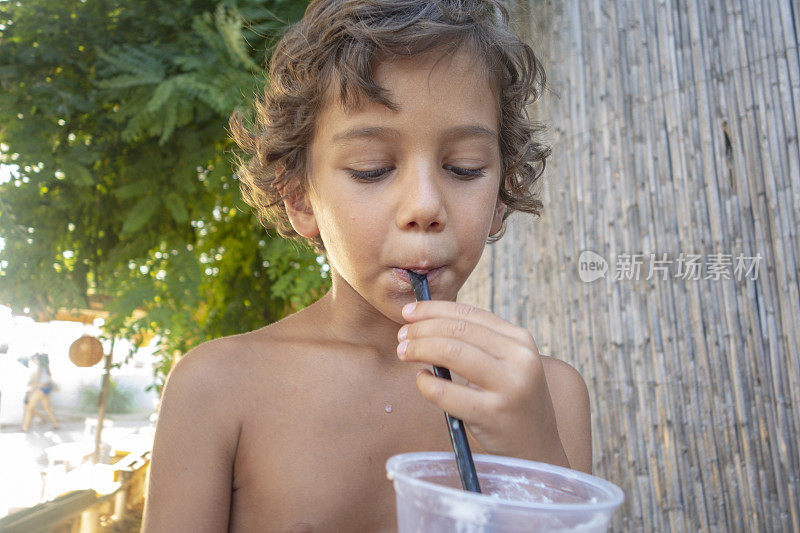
(115,113)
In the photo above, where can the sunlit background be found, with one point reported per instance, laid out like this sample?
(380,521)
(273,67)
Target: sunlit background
(23,461)
(25,477)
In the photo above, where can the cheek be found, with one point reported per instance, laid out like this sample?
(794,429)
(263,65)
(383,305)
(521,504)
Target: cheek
(481,211)
(350,228)
(335,226)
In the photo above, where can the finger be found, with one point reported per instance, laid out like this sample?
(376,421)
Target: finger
(416,311)
(466,360)
(460,401)
(486,339)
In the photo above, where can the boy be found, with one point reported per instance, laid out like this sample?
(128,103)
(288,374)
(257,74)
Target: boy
(394,136)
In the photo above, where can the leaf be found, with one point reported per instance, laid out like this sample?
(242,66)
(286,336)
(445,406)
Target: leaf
(78,172)
(128,80)
(140,214)
(170,119)
(161,95)
(128,191)
(177,208)
(131,60)
(229,26)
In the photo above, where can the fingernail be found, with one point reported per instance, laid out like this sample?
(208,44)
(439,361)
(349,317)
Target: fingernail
(401,349)
(403,333)
(409,308)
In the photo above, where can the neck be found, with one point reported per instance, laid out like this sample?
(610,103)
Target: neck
(351,319)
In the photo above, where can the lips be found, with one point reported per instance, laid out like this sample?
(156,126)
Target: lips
(430,272)
(419,270)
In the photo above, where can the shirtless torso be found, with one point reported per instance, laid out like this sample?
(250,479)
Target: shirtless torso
(301,431)
(314,443)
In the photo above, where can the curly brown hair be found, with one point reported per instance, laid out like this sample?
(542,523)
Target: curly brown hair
(340,42)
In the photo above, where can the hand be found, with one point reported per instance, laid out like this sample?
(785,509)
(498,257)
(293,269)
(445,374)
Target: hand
(506,404)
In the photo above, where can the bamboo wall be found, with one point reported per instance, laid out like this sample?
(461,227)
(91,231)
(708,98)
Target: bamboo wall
(674,129)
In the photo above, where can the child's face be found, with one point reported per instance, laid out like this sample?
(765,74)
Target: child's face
(413,188)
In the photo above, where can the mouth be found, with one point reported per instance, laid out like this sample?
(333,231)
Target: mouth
(430,272)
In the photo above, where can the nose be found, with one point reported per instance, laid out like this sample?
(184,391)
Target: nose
(421,203)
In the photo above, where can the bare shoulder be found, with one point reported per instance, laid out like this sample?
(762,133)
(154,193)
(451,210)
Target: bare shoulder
(210,371)
(563,372)
(199,423)
(570,398)
(236,351)
(218,358)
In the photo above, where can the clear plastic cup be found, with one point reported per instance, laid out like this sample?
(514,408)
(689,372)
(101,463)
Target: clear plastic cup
(516,495)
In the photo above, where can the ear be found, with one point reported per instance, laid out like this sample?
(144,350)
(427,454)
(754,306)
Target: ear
(300,213)
(497,220)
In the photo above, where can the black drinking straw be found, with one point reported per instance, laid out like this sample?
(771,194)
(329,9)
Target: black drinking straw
(458,433)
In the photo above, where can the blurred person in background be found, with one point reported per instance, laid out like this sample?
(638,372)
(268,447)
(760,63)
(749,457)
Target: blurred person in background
(40,386)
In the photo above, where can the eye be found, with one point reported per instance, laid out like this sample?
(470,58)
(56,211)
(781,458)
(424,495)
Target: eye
(466,173)
(368,175)
(377,174)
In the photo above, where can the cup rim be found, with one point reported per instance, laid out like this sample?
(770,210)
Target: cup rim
(615,494)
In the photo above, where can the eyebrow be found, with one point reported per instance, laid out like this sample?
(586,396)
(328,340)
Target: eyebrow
(380,132)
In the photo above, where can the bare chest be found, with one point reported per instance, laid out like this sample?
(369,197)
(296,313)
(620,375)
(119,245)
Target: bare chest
(315,459)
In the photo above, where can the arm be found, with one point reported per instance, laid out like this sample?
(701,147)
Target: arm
(573,416)
(191,468)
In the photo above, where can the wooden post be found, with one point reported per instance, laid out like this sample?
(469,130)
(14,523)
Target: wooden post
(89,520)
(102,407)
(121,497)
